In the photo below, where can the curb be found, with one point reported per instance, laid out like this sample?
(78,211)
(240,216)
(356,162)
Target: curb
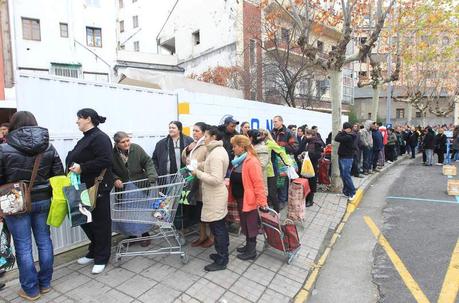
(304,293)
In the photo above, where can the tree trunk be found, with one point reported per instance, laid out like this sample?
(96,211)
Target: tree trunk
(336,82)
(423,119)
(375,105)
(409,114)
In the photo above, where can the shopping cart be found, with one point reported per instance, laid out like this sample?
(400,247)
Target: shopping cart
(140,207)
(283,237)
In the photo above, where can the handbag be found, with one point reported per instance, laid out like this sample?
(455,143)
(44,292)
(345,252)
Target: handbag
(93,190)
(15,197)
(7,257)
(78,201)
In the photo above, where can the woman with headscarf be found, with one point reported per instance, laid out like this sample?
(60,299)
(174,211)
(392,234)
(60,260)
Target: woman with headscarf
(167,158)
(90,158)
(132,163)
(196,153)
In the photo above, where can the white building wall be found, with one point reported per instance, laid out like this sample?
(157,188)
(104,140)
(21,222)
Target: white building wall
(217,23)
(151,16)
(54,48)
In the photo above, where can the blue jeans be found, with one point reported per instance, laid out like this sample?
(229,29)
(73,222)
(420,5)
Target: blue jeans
(429,156)
(345,166)
(21,228)
(282,193)
(367,156)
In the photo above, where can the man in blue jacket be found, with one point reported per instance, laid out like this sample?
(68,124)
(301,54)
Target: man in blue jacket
(346,152)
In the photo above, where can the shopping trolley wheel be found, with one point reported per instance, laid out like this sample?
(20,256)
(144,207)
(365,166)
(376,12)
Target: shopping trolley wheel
(181,240)
(184,258)
(117,260)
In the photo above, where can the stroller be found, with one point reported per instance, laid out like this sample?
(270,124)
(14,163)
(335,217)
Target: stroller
(283,237)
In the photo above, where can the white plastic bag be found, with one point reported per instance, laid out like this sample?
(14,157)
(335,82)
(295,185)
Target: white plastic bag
(291,173)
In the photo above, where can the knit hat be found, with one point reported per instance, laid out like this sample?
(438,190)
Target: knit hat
(347,125)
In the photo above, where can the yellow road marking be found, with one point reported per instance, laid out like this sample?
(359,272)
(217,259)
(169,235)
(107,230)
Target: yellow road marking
(409,281)
(451,283)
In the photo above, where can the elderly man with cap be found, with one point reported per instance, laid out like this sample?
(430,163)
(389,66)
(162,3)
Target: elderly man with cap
(346,155)
(228,128)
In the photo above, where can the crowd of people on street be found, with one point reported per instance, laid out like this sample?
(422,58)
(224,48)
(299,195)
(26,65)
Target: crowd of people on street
(239,172)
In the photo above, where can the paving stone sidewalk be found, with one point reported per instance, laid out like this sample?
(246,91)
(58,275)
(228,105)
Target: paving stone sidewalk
(165,279)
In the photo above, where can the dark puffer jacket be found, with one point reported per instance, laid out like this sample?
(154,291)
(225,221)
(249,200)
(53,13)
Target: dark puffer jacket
(18,156)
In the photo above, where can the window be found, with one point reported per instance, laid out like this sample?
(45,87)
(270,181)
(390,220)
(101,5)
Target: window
(64,28)
(400,113)
(320,46)
(66,70)
(136,46)
(135,21)
(93,37)
(363,40)
(418,114)
(31,29)
(121,26)
(369,116)
(120,3)
(196,38)
(285,33)
(252,52)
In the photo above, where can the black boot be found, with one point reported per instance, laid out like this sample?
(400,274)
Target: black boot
(215,267)
(309,203)
(243,249)
(251,251)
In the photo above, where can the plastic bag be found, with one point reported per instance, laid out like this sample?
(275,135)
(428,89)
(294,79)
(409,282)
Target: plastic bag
(58,209)
(291,173)
(307,170)
(7,257)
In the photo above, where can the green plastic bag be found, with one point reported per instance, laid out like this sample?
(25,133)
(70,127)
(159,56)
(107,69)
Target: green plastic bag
(58,209)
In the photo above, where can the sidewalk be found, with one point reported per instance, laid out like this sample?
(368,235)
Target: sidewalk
(165,279)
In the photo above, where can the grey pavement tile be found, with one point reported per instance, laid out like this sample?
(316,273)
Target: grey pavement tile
(180,280)
(90,291)
(158,271)
(184,298)
(69,282)
(172,260)
(114,295)
(136,264)
(285,286)
(230,297)
(115,276)
(296,273)
(159,293)
(64,299)
(248,289)
(224,278)
(272,259)
(236,265)
(136,286)
(271,296)
(61,272)
(205,291)
(196,266)
(259,274)
(49,297)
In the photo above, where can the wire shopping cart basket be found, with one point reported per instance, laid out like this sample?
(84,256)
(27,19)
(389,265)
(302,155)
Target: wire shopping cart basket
(140,207)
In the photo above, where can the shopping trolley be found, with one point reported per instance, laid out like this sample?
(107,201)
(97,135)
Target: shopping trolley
(283,237)
(140,207)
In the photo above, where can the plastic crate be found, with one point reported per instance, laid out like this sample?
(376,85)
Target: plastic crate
(453,187)
(449,170)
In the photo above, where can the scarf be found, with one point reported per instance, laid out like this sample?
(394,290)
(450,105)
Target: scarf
(171,153)
(199,143)
(238,160)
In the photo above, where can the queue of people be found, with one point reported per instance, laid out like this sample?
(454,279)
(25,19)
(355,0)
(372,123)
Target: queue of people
(243,166)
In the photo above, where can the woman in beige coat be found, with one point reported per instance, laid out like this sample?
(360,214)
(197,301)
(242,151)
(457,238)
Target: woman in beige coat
(195,154)
(215,196)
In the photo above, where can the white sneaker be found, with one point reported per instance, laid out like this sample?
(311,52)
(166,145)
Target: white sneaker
(84,261)
(439,164)
(97,269)
(351,198)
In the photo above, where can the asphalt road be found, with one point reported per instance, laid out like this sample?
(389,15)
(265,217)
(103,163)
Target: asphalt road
(422,233)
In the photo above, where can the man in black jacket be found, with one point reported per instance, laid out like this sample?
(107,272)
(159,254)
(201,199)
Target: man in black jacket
(228,128)
(346,154)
